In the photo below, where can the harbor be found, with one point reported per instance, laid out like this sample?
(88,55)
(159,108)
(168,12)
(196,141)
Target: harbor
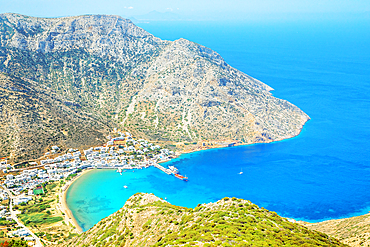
(165,170)
(171,171)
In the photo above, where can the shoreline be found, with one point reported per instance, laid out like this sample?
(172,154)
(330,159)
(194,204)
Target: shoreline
(68,215)
(235,143)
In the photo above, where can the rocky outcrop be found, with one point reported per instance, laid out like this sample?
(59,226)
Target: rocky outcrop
(166,91)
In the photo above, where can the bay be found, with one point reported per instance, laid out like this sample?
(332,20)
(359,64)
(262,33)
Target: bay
(324,173)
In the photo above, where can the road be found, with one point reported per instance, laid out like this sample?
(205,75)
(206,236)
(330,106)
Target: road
(15,218)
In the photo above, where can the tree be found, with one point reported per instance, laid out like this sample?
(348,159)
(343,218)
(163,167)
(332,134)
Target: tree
(14,243)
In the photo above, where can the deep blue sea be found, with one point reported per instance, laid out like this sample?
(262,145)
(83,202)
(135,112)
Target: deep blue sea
(324,173)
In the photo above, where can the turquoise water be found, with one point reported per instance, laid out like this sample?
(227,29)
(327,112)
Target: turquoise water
(324,173)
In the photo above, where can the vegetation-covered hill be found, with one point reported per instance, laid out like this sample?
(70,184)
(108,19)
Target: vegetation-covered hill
(146,220)
(121,75)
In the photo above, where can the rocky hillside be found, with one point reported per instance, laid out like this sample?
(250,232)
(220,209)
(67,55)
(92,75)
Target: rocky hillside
(33,117)
(146,220)
(354,231)
(167,91)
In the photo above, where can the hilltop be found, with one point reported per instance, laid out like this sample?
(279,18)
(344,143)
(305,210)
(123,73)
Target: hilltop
(110,73)
(146,220)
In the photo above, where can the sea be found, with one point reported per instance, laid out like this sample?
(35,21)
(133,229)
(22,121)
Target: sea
(323,67)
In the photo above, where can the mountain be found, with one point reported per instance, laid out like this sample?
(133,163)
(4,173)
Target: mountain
(122,76)
(146,220)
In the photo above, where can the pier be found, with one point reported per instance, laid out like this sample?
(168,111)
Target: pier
(168,171)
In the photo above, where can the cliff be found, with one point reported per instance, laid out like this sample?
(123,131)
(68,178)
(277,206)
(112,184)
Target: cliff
(125,77)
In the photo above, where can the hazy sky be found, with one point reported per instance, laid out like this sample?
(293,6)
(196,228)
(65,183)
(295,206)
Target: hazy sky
(211,9)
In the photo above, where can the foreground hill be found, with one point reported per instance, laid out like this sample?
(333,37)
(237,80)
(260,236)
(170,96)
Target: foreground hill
(146,220)
(125,77)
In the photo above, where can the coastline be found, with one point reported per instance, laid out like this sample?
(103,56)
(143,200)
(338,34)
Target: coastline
(234,143)
(68,215)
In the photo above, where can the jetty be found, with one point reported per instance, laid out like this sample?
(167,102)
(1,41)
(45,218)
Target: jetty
(168,171)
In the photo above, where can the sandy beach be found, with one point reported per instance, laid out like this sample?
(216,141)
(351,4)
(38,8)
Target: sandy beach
(68,216)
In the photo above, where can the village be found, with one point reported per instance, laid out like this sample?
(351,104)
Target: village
(122,152)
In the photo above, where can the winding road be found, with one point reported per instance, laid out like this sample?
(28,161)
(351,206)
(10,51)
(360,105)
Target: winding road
(15,218)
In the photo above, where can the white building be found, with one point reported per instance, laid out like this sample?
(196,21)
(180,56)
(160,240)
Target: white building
(20,199)
(20,232)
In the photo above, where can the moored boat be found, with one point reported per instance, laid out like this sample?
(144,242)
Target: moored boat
(181,177)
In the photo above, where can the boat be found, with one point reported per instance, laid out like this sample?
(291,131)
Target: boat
(241,171)
(173,169)
(125,186)
(181,177)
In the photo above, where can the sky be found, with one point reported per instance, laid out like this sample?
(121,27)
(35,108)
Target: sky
(194,9)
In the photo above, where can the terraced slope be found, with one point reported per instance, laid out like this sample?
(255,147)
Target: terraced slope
(146,220)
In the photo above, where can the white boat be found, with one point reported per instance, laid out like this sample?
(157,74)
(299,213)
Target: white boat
(125,186)
(241,171)
(173,169)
